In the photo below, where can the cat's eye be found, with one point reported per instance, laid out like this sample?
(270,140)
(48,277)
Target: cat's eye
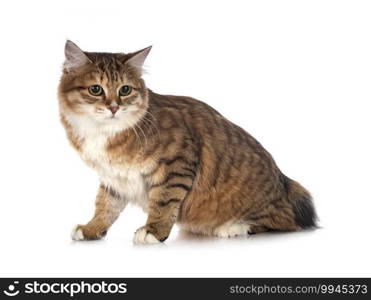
(125,90)
(95,90)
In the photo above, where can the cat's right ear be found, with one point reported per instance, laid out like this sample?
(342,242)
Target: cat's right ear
(74,57)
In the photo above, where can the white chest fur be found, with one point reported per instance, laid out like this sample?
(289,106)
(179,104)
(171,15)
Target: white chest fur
(125,179)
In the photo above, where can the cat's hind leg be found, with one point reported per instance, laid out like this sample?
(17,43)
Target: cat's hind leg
(232,228)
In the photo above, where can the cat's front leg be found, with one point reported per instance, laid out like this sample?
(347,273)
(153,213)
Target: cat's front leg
(108,206)
(162,215)
(165,199)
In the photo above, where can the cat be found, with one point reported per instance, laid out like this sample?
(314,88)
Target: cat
(176,157)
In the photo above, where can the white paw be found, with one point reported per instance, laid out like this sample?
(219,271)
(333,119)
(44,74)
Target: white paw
(231,229)
(141,237)
(76,234)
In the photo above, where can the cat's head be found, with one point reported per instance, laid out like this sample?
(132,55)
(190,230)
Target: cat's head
(103,88)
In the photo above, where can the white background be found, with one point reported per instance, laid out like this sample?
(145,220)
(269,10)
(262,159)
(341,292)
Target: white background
(295,74)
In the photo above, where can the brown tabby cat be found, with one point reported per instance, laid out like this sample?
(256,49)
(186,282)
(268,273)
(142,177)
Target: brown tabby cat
(176,157)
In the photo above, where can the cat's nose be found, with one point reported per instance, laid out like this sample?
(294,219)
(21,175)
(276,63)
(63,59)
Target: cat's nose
(113,109)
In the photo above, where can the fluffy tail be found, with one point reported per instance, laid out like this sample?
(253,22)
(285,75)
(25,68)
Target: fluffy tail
(301,200)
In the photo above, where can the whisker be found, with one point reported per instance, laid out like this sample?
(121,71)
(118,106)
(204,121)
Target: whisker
(137,136)
(148,125)
(144,135)
(152,122)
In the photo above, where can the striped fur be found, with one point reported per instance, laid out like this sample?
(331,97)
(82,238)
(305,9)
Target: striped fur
(176,157)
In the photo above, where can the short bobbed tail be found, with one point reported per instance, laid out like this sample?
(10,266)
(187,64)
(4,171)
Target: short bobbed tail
(302,203)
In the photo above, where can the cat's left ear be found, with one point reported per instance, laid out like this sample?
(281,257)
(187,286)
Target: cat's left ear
(137,59)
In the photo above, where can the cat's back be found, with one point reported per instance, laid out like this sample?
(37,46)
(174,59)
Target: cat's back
(205,122)
(223,145)
(162,103)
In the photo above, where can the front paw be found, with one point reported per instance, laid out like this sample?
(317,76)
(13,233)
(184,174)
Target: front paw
(142,236)
(86,233)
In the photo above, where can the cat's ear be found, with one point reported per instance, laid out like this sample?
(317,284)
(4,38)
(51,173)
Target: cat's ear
(137,59)
(75,57)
